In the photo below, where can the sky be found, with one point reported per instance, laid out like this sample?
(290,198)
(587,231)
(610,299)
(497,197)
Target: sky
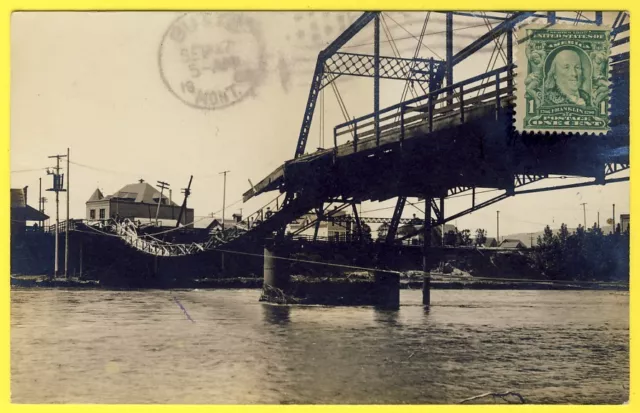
(108,86)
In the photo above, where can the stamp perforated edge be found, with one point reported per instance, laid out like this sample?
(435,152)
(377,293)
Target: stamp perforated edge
(520,76)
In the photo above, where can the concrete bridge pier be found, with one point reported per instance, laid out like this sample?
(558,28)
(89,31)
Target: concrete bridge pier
(275,280)
(387,290)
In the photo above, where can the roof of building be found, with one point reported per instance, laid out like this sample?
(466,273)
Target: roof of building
(96,196)
(512,243)
(140,192)
(490,241)
(212,222)
(20,211)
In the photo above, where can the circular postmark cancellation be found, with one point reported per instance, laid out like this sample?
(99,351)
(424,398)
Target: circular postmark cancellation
(212,60)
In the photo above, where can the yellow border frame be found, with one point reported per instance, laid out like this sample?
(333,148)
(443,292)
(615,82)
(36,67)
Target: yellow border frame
(8,6)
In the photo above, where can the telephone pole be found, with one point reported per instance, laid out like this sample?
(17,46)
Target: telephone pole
(613,228)
(40,202)
(584,212)
(58,186)
(224,201)
(186,191)
(162,186)
(224,195)
(66,227)
(498,227)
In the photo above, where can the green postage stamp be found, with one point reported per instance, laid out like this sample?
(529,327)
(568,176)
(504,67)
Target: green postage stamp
(563,79)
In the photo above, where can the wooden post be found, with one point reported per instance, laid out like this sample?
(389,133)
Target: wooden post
(426,243)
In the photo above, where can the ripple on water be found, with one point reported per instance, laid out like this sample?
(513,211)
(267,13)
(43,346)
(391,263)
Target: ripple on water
(139,347)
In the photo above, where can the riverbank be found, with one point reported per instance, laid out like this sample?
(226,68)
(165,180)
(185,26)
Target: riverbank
(42,281)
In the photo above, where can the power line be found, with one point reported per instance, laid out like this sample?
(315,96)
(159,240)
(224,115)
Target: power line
(428,48)
(17,171)
(412,37)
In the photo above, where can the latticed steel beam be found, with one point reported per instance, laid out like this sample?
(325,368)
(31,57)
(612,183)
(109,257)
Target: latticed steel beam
(395,220)
(374,220)
(316,81)
(612,168)
(436,209)
(322,217)
(524,179)
(394,68)
(458,190)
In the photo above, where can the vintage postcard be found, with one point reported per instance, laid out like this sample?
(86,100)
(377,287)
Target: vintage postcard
(336,207)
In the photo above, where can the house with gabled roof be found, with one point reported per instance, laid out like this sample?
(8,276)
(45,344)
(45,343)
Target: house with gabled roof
(512,244)
(22,212)
(139,202)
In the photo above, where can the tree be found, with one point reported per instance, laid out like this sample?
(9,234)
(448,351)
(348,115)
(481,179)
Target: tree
(383,229)
(481,236)
(465,237)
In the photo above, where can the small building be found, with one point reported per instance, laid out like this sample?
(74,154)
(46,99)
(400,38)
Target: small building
(512,244)
(490,242)
(624,222)
(22,212)
(139,202)
(327,229)
(212,223)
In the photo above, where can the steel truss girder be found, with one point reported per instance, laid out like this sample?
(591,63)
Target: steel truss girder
(503,17)
(612,168)
(316,81)
(322,217)
(458,189)
(436,209)
(395,220)
(375,220)
(396,68)
(524,179)
(508,194)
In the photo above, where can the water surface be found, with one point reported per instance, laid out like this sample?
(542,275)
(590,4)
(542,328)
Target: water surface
(93,346)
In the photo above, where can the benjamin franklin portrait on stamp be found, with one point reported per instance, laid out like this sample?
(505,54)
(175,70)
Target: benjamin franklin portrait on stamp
(563,83)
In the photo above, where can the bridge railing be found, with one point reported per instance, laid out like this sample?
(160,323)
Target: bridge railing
(265,212)
(454,100)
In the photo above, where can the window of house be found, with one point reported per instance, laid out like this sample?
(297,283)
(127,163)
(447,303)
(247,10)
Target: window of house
(92,214)
(102,213)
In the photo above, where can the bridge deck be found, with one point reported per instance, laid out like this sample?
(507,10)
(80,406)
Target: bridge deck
(464,139)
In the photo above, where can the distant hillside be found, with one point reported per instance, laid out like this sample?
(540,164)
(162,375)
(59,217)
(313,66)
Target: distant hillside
(525,237)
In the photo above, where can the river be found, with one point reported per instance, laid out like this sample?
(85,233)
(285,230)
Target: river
(96,346)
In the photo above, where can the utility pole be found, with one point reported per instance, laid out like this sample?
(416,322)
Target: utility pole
(498,227)
(186,191)
(44,200)
(171,201)
(66,227)
(584,212)
(531,240)
(613,228)
(162,185)
(40,203)
(598,219)
(224,194)
(58,186)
